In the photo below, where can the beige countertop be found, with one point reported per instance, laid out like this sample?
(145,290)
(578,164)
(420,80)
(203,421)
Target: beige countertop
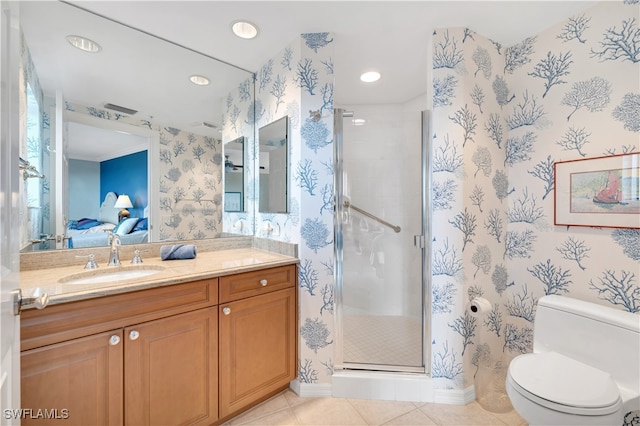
(209,264)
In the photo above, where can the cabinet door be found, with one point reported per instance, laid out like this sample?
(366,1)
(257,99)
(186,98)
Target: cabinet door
(78,382)
(257,348)
(171,367)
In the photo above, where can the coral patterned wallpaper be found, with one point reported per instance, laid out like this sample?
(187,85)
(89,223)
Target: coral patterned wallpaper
(503,115)
(298,83)
(500,122)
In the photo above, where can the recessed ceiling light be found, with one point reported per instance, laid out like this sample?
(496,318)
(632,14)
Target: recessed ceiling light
(200,80)
(244,29)
(83,43)
(358,121)
(370,77)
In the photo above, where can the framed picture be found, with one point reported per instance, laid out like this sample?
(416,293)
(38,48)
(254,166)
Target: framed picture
(600,192)
(232,202)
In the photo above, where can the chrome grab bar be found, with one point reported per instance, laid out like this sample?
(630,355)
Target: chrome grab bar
(348,204)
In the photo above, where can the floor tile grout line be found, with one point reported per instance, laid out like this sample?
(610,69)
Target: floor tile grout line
(266,414)
(295,416)
(380,424)
(434,421)
(357,411)
(242,416)
(408,412)
(292,408)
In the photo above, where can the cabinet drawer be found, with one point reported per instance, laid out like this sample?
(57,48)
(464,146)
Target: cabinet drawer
(248,284)
(66,321)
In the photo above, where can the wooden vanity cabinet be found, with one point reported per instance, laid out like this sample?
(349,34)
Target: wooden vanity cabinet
(157,372)
(168,366)
(195,353)
(257,337)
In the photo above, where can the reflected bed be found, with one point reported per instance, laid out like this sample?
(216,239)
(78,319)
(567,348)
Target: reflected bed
(88,232)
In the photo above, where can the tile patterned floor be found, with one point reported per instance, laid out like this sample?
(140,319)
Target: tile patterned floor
(287,408)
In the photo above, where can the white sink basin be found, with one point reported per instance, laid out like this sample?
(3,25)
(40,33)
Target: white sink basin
(95,276)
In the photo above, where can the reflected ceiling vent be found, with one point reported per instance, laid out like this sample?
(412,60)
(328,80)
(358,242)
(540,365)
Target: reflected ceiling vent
(205,124)
(121,109)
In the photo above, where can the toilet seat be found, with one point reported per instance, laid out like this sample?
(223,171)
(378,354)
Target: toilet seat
(564,384)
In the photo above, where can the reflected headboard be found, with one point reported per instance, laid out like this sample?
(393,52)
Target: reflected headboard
(108,213)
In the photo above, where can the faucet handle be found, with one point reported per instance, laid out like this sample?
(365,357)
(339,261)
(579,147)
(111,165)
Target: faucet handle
(137,259)
(91,263)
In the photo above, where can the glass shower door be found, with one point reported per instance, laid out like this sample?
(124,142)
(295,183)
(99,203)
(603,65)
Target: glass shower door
(379,270)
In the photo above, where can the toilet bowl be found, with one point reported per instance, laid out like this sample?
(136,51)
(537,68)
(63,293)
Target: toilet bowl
(555,389)
(584,367)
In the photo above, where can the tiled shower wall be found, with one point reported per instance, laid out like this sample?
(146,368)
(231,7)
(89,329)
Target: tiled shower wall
(502,117)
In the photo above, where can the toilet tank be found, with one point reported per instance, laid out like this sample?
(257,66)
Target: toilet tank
(603,337)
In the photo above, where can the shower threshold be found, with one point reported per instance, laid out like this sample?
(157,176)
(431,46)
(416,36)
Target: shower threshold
(380,368)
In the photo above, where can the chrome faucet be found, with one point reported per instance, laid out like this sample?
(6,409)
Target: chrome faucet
(114,257)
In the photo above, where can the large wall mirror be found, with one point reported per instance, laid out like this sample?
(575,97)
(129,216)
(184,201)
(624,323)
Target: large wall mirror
(273,158)
(120,112)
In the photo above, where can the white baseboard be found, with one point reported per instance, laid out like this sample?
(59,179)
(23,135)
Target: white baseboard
(311,389)
(384,386)
(454,396)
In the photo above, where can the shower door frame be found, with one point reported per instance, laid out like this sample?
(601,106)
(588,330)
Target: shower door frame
(420,241)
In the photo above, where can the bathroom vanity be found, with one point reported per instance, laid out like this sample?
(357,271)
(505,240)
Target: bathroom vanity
(196,343)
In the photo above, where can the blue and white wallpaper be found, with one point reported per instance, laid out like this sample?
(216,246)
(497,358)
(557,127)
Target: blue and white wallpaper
(503,115)
(298,83)
(500,122)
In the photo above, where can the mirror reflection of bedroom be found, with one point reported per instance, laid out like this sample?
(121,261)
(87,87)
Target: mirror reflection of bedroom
(108,186)
(63,194)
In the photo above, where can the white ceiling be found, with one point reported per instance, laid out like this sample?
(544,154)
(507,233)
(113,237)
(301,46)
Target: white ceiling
(389,36)
(91,143)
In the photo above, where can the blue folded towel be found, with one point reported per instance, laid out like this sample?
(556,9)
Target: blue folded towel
(178,251)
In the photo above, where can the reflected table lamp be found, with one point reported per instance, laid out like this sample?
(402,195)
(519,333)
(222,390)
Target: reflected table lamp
(123,202)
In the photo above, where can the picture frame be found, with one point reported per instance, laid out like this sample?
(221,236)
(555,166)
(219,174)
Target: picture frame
(598,192)
(232,201)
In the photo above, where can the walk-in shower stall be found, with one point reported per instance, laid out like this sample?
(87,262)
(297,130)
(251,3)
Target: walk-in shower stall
(380,185)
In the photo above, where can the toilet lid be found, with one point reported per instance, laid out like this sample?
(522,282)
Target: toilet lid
(560,380)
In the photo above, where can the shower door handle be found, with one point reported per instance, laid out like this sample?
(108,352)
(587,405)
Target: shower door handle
(418,241)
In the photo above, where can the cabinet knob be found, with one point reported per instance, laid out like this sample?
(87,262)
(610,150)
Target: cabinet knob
(114,340)
(263,283)
(133,335)
(226,311)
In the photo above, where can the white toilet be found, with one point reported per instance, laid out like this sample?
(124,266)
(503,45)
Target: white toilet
(584,369)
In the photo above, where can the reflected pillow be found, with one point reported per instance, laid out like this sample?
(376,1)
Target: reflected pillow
(86,224)
(125,226)
(142,225)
